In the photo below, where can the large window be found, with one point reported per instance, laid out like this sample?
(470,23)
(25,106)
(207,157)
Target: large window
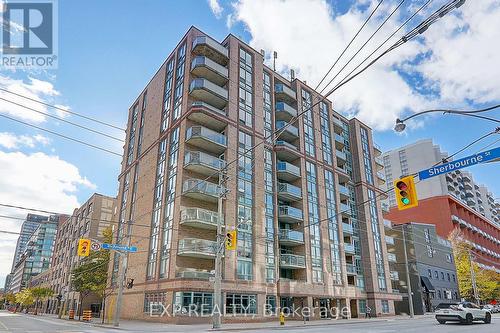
(268,127)
(377,240)
(313,221)
(308,123)
(269,218)
(241,304)
(153,302)
(131,139)
(333,229)
(366,156)
(246,89)
(198,302)
(385,306)
(167,99)
(325,134)
(179,81)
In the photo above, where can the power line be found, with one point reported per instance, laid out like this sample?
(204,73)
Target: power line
(64,110)
(63,120)
(352,40)
(62,136)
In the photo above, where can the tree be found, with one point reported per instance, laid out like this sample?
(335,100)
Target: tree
(91,275)
(40,293)
(24,298)
(487,281)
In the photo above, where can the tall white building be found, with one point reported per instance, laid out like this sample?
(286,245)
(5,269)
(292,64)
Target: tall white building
(422,154)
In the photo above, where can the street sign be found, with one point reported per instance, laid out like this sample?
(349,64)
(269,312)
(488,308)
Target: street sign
(485,156)
(119,247)
(95,246)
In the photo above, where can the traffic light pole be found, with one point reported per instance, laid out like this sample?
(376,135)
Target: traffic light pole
(121,278)
(408,282)
(216,312)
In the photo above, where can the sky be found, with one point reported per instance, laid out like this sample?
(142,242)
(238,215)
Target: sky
(109,50)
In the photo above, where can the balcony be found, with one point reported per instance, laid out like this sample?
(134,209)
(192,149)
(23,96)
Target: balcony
(290,214)
(286,151)
(339,141)
(197,274)
(337,126)
(288,192)
(377,150)
(347,228)
(345,209)
(205,68)
(206,46)
(341,157)
(380,178)
(284,93)
(379,164)
(352,269)
(292,261)
(197,248)
(206,139)
(349,248)
(291,237)
(344,192)
(199,218)
(290,133)
(284,112)
(201,190)
(208,92)
(203,163)
(343,175)
(287,171)
(206,115)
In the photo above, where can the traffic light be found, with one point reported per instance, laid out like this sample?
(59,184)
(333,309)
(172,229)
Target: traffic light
(84,247)
(406,193)
(231,240)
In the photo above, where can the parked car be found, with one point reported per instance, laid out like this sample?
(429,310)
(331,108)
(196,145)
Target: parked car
(464,312)
(491,308)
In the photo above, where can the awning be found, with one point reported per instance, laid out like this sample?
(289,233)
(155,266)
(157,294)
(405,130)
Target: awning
(427,284)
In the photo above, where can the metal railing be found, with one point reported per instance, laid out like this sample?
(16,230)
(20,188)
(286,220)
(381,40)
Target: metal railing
(292,260)
(201,186)
(287,167)
(198,214)
(203,132)
(198,157)
(290,211)
(197,245)
(292,235)
(288,188)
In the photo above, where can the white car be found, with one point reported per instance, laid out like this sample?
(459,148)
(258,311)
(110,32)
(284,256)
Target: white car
(464,312)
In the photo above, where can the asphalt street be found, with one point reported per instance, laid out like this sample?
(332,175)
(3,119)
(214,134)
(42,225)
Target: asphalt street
(10,322)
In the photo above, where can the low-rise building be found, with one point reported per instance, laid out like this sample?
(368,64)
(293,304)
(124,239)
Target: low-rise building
(430,262)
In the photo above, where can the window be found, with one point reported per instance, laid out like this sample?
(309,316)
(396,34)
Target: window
(362,306)
(241,304)
(244,270)
(429,273)
(453,276)
(442,276)
(270,304)
(200,302)
(385,306)
(308,123)
(430,251)
(448,276)
(427,236)
(436,274)
(245,89)
(152,302)
(448,257)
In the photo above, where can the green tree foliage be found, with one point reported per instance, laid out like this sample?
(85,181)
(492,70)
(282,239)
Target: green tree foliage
(25,298)
(487,281)
(40,293)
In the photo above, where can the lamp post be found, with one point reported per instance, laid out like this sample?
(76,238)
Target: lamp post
(400,123)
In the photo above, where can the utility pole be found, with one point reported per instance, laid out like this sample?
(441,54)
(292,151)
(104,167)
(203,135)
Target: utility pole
(408,282)
(219,246)
(473,279)
(121,278)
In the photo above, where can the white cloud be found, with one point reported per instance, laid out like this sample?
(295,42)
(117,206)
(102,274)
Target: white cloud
(216,8)
(309,36)
(39,181)
(62,113)
(35,89)
(12,141)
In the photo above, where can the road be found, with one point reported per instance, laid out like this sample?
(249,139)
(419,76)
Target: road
(10,322)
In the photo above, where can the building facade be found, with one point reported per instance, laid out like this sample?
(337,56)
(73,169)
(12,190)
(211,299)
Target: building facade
(28,227)
(448,213)
(88,221)
(431,267)
(460,184)
(38,253)
(302,239)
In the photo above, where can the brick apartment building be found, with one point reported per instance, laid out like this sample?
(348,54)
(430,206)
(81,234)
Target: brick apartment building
(301,238)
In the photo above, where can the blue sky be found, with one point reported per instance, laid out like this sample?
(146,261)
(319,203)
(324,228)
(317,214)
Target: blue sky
(108,51)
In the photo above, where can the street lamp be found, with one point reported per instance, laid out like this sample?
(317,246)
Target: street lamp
(400,123)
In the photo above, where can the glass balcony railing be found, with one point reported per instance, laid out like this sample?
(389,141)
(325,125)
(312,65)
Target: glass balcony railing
(345,209)
(285,111)
(341,155)
(344,191)
(204,45)
(201,187)
(291,236)
(347,228)
(292,130)
(282,166)
(292,261)
(289,190)
(200,217)
(203,159)
(349,248)
(283,92)
(207,91)
(206,139)
(351,269)
(204,67)
(194,274)
(195,247)
(290,214)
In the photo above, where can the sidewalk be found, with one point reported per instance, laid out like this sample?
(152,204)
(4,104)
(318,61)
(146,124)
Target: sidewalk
(142,326)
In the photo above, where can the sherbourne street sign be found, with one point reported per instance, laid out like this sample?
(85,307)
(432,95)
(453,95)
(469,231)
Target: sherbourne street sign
(485,156)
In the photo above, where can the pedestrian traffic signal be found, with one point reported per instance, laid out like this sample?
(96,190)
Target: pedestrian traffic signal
(84,247)
(231,240)
(406,193)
